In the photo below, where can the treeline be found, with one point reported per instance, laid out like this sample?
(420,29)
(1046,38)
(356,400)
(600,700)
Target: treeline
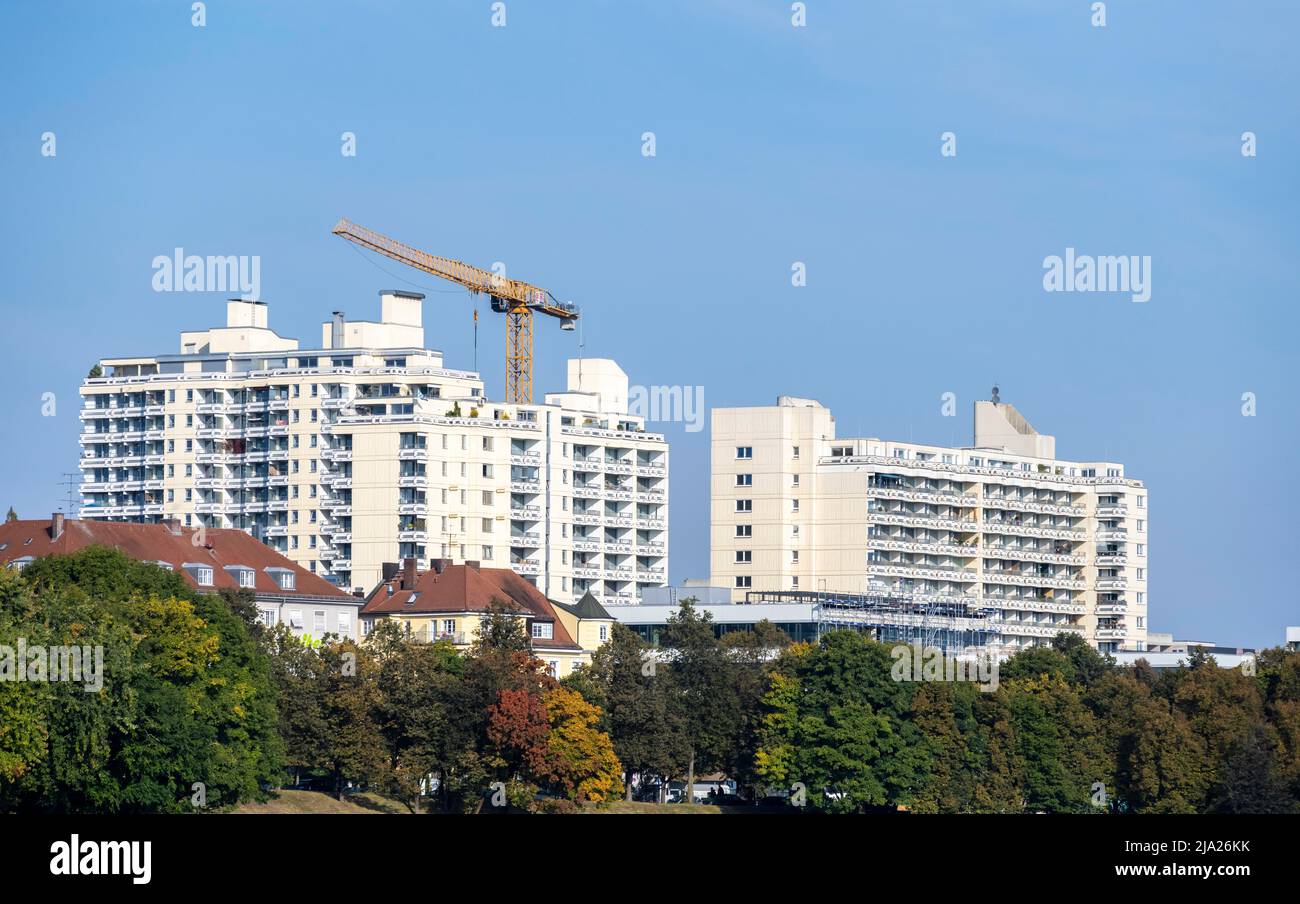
(202,708)
(1065,731)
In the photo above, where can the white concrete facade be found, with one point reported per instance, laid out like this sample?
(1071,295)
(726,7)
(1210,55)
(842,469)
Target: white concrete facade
(369,450)
(1049,544)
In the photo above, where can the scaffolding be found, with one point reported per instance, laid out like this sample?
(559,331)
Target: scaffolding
(954,625)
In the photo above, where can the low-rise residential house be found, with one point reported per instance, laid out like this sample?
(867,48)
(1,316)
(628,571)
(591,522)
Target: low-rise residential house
(451,602)
(209,560)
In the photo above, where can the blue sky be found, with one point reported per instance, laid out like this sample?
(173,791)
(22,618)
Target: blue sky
(774,144)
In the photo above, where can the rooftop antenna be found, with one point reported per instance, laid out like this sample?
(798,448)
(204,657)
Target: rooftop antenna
(71,480)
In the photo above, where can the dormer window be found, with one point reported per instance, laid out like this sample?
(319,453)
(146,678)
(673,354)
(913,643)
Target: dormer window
(20,564)
(244,576)
(284,578)
(543,630)
(203,576)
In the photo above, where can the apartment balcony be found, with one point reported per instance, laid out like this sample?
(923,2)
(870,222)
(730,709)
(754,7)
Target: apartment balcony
(618,495)
(650,549)
(1111,608)
(586,492)
(930,522)
(1020,604)
(335,402)
(1112,584)
(586,571)
(587,465)
(924,572)
(412,536)
(651,471)
(650,523)
(1031,555)
(1007,503)
(526,540)
(414,453)
(931,497)
(277,530)
(587,546)
(417,481)
(618,574)
(1112,511)
(924,548)
(1021,579)
(589,518)
(1112,560)
(341,565)
(1021,629)
(651,496)
(345,483)
(1023,530)
(333,455)
(526,459)
(413,508)
(277,505)
(617,521)
(532,513)
(1111,633)
(1112,535)
(525,486)
(622,547)
(341,537)
(650,575)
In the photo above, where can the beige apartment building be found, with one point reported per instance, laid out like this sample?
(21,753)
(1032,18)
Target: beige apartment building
(368,450)
(1036,544)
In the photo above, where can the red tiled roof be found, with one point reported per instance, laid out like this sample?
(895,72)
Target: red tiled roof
(157,543)
(464,588)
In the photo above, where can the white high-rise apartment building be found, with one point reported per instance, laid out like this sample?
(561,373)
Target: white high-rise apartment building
(1004,526)
(367,450)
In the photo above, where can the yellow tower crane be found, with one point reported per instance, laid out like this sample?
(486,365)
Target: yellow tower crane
(517,300)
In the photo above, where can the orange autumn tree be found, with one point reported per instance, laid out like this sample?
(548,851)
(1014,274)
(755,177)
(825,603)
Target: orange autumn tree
(581,757)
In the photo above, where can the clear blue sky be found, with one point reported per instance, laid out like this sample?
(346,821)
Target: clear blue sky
(774,144)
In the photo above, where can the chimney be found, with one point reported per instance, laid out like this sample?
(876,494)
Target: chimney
(173,526)
(56,525)
(388,570)
(408,573)
(439,565)
(336,330)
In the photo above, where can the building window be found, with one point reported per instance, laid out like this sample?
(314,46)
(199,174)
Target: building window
(744,530)
(449,626)
(604,633)
(794,505)
(269,618)
(794,452)
(318,622)
(744,581)
(1142,502)
(744,480)
(543,630)
(744,451)
(203,576)
(246,576)
(285,579)
(1141,574)
(744,505)
(487,553)
(744,556)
